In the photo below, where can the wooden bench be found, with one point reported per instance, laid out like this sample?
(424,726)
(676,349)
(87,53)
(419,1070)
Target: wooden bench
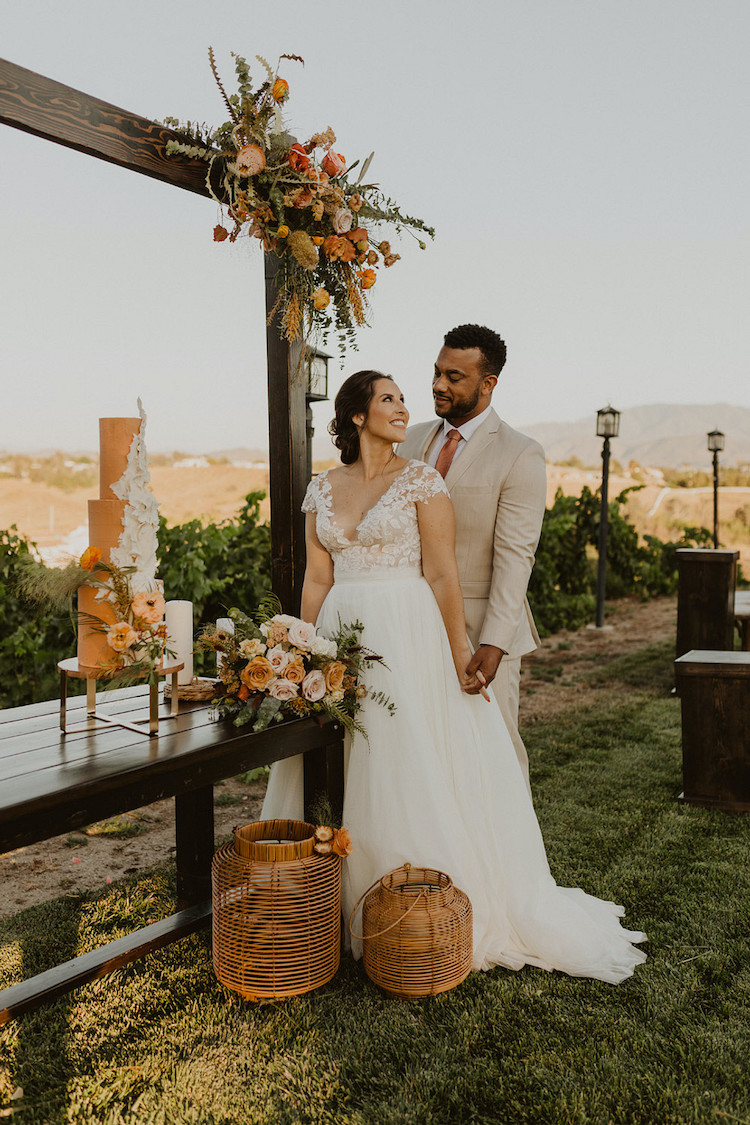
(742,617)
(51,783)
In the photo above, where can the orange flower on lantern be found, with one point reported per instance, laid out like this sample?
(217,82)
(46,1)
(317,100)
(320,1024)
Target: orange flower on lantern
(250,160)
(90,557)
(220,233)
(149,606)
(321,298)
(280,90)
(333,163)
(342,843)
(298,158)
(367,279)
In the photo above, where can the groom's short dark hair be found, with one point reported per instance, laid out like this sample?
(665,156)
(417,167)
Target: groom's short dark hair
(489,343)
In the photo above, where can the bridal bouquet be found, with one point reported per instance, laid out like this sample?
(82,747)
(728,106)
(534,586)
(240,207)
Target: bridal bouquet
(281,667)
(300,200)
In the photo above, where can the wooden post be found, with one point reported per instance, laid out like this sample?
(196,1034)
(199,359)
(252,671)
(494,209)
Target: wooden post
(287,449)
(705,599)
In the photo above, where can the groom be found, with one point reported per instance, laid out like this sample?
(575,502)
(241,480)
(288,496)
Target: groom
(497,480)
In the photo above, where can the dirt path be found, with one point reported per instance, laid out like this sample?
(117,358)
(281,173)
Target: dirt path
(552,679)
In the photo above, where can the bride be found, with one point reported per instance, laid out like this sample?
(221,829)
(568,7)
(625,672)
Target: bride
(437,784)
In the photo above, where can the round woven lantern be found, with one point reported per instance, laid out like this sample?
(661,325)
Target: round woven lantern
(276,911)
(416,932)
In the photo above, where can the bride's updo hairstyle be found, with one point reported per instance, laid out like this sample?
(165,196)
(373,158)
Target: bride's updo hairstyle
(354,397)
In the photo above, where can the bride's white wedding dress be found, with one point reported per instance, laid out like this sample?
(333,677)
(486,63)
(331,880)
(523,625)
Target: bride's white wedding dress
(439,784)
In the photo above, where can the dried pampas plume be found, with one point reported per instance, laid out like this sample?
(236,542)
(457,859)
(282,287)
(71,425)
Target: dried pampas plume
(303,248)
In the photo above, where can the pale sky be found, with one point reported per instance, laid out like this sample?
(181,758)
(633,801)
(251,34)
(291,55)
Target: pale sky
(584,162)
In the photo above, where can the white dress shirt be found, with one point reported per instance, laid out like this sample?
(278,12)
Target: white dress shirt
(466,431)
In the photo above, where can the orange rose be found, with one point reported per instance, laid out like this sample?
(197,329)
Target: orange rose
(280,90)
(121,636)
(258,674)
(333,163)
(303,197)
(149,607)
(321,299)
(294,671)
(337,247)
(367,279)
(334,674)
(342,843)
(359,234)
(90,557)
(298,158)
(250,160)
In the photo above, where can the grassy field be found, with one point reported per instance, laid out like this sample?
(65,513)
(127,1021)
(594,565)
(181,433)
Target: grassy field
(163,1042)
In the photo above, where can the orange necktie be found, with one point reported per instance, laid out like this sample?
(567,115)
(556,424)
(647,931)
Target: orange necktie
(448,452)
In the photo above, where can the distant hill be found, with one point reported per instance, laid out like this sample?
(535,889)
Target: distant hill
(664,435)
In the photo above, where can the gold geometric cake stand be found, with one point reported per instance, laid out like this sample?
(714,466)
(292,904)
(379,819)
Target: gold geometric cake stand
(70,669)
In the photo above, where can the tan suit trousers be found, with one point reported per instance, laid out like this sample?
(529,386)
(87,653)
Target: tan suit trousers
(505,686)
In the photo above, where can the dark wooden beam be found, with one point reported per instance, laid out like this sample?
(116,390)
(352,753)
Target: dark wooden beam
(58,113)
(287,450)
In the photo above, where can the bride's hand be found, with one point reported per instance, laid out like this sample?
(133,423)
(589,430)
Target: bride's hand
(461,659)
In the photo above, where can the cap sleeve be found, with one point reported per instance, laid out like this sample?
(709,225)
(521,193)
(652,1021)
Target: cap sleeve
(310,502)
(425,483)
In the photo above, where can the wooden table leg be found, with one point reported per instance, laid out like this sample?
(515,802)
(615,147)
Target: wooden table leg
(194,837)
(324,777)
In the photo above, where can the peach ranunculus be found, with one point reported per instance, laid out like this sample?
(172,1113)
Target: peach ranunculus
(298,158)
(314,686)
(121,636)
(90,557)
(333,163)
(342,220)
(278,658)
(342,843)
(257,674)
(321,298)
(275,632)
(334,674)
(301,634)
(283,690)
(294,671)
(250,160)
(367,279)
(355,202)
(336,247)
(280,90)
(149,606)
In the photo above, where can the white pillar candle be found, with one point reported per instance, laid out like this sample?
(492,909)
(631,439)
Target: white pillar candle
(227,626)
(179,619)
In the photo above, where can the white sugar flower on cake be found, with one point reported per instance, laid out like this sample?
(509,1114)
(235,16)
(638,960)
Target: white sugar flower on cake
(140,521)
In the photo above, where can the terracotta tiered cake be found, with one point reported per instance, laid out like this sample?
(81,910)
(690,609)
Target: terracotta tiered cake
(123,524)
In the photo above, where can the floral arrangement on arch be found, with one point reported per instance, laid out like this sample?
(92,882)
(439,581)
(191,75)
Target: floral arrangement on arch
(301,201)
(282,667)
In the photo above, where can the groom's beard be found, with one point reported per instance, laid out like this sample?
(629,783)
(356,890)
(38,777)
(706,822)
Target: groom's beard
(455,412)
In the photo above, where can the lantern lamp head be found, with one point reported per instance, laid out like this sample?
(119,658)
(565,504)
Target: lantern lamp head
(715,441)
(316,367)
(607,422)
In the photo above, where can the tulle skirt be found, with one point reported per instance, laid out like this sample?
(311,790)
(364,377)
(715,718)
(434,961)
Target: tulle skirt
(437,784)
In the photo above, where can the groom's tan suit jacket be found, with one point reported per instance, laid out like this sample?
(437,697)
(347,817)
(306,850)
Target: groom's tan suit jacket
(498,489)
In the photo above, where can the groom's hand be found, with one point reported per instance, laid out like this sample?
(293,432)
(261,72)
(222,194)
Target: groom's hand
(487,661)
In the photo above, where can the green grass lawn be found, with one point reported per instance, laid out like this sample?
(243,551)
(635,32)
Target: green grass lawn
(163,1042)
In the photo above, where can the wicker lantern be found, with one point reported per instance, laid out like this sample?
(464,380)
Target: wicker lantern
(276,911)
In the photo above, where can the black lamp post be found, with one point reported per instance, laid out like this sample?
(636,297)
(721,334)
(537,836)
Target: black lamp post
(607,426)
(715,445)
(316,371)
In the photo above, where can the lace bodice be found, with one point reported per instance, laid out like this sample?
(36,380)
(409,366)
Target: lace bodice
(387,537)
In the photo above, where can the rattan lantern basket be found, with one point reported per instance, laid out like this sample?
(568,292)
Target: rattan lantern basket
(416,932)
(276,911)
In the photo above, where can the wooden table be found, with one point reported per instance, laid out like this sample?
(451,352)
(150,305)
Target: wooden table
(51,783)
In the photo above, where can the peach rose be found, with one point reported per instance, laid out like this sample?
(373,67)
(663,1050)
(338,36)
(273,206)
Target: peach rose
(334,674)
(90,557)
(301,634)
(278,658)
(298,158)
(367,279)
(257,674)
(283,690)
(342,220)
(280,90)
(294,671)
(121,636)
(252,647)
(314,686)
(333,163)
(149,607)
(250,160)
(321,298)
(342,842)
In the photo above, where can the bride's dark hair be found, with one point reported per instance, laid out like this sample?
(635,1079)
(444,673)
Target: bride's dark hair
(354,397)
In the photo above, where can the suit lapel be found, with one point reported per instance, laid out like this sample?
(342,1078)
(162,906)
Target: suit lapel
(478,441)
(429,439)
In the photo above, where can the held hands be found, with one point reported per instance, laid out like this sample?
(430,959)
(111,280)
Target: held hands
(481,670)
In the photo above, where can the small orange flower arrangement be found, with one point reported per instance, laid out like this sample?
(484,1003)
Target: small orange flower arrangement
(300,199)
(333,841)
